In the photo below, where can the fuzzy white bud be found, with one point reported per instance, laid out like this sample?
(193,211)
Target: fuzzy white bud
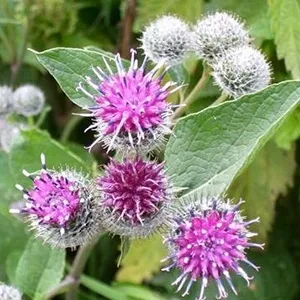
(29,100)
(9,134)
(217,33)
(9,293)
(241,71)
(167,39)
(6,95)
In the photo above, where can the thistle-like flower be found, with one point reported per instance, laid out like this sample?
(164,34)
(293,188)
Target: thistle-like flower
(135,194)
(217,33)
(60,207)
(28,101)
(207,241)
(6,96)
(130,108)
(9,293)
(167,40)
(241,71)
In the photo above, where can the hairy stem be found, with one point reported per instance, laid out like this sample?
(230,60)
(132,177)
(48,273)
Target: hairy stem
(192,96)
(73,122)
(222,98)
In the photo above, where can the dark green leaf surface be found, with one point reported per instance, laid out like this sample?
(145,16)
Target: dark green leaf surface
(213,146)
(39,269)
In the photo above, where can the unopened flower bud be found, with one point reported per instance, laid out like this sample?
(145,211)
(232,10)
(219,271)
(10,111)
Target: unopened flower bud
(28,101)
(167,40)
(6,96)
(9,293)
(216,33)
(241,71)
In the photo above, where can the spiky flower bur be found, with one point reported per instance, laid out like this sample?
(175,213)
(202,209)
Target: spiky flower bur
(28,101)
(207,241)
(241,71)
(60,207)
(9,293)
(6,96)
(135,195)
(216,33)
(130,108)
(10,133)
(167,40)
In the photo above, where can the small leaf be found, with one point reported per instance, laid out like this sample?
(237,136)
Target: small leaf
(39,269)
(285,15)
(268,176)
(69,66)
(212,147)
(142,260)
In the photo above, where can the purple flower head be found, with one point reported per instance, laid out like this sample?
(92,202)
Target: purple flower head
(130,108)
(207,241)
(135,193)
(60,206)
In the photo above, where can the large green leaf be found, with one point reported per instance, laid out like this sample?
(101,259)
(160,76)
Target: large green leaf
(39,269)
(26,155)
(268,176)
(151,9)
(69,66)
(210,148)
(285,15)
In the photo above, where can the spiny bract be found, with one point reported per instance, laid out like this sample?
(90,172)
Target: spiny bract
(135,194)
(167,40)
(241,71)
(60,207)
(217,33)
(207,240)
(130,111)
(9,293)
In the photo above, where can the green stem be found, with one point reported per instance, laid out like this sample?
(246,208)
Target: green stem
(78,267)
(31,121)
(222,98)
(73,122)
(43,116)
(72,280)
(192,96)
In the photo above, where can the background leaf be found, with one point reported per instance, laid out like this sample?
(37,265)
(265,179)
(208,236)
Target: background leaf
(39,269)
(268,176)
(151,9)
(142,260)
(285,15)
(217,143)
(69,66)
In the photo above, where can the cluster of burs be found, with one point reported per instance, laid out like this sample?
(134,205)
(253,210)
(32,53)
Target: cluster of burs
(221,40)
(26,101)
(133,196)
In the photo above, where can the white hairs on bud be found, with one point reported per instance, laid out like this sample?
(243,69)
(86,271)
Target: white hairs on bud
(28,101)
(167,39)
(6,96)
(217,33)
(241,71)
(9,293)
